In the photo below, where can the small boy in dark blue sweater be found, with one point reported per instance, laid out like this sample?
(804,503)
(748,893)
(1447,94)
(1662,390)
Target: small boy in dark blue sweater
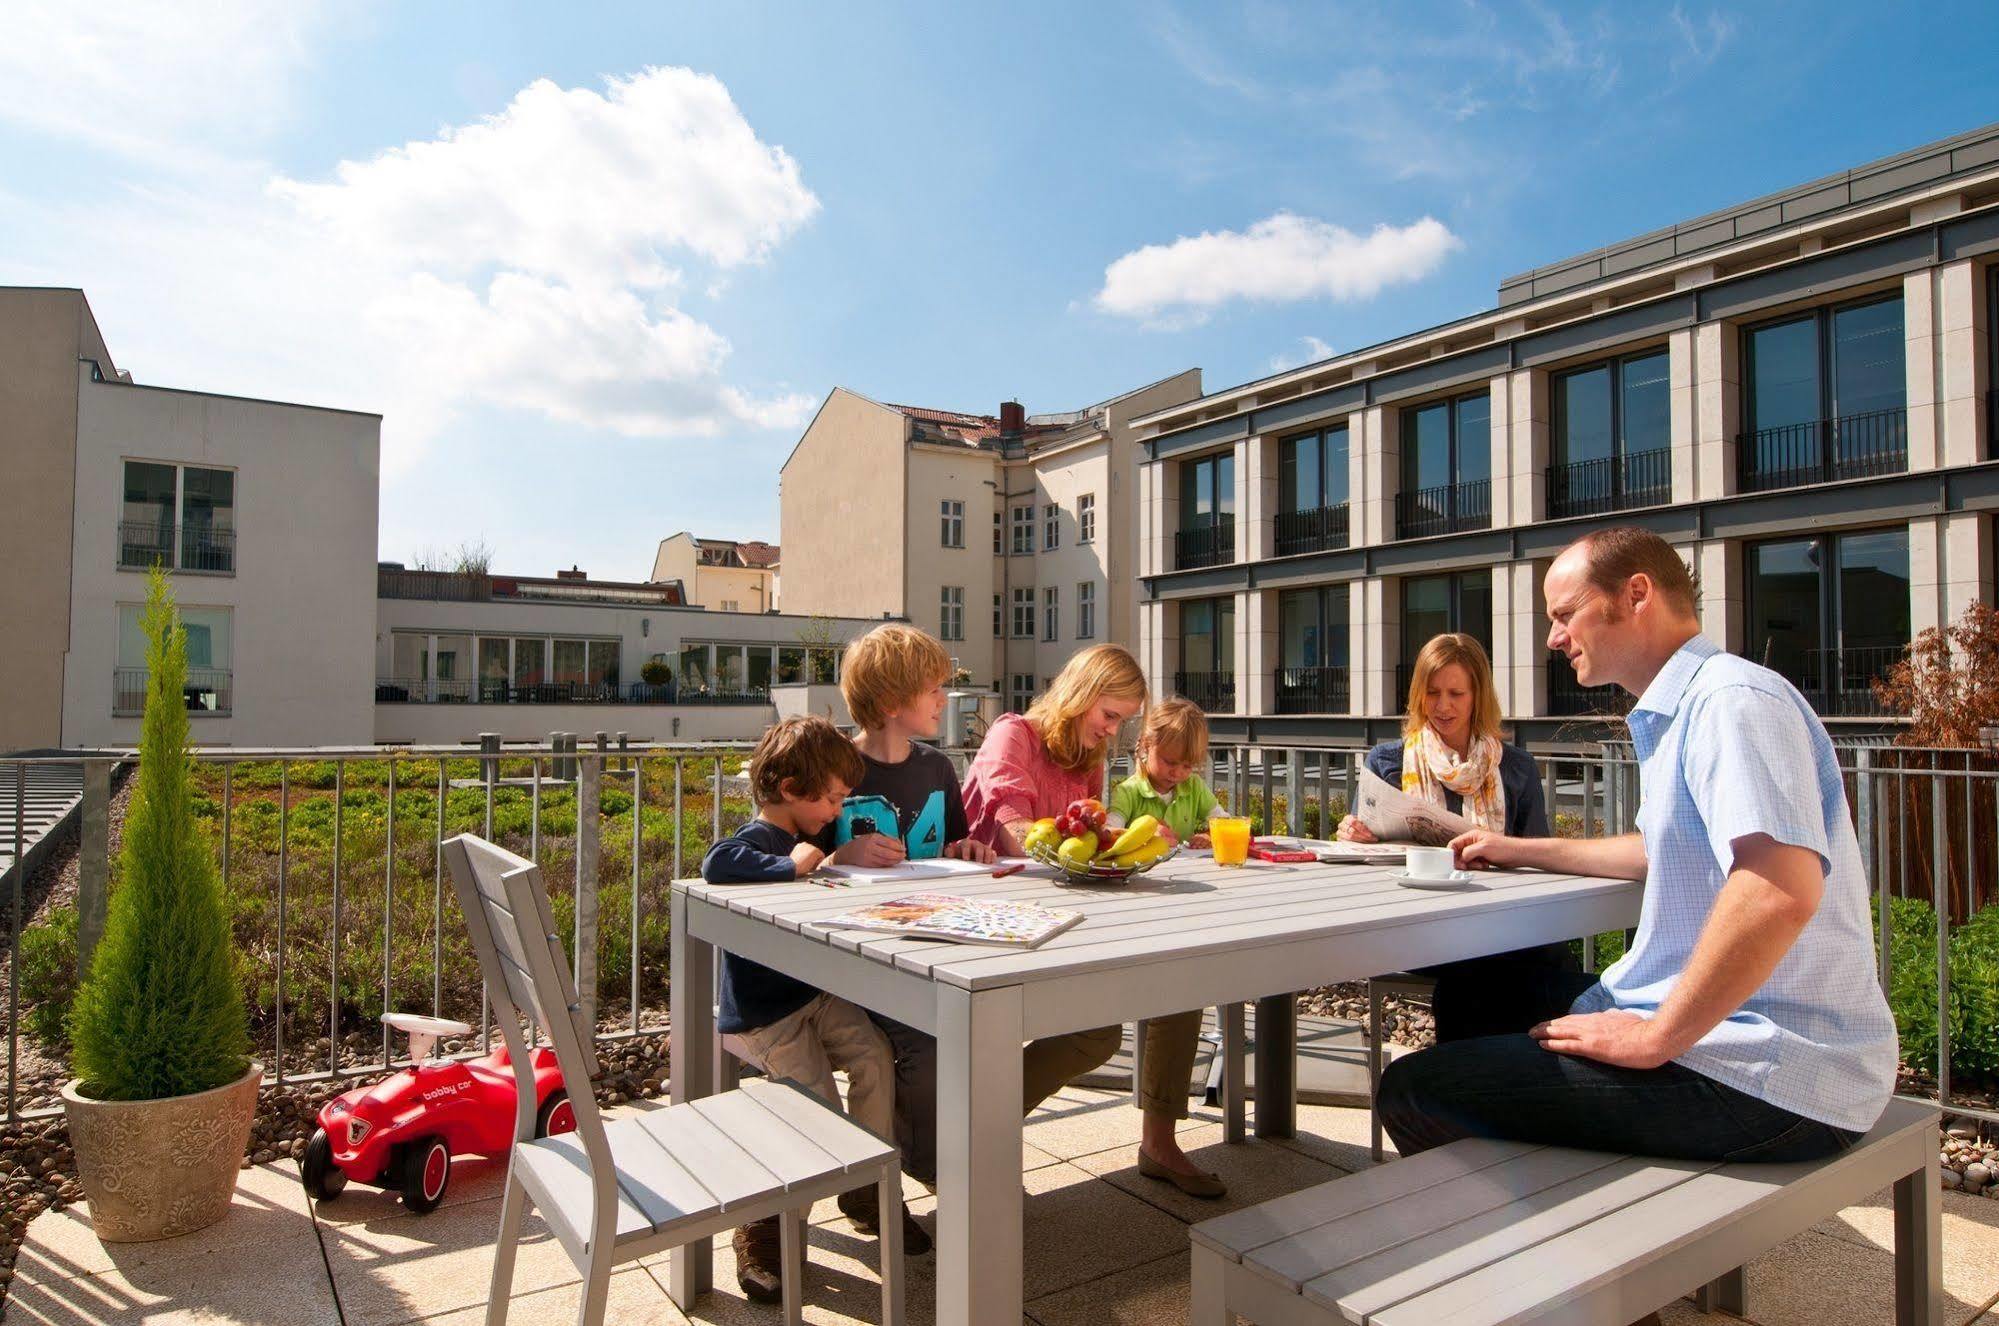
(800,772)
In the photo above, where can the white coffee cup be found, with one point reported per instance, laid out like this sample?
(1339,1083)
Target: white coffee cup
(1431,862)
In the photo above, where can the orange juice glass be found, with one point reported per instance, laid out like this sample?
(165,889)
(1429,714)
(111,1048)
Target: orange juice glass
(1231,840)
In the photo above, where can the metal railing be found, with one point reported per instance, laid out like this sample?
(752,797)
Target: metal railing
(1852,446)
(1611,483)
(1840,682)
(1204,545)
(490,690)
(1313,691)
(1320,529)
(207,691)
(1213,691)
(206,548)
(1450,509)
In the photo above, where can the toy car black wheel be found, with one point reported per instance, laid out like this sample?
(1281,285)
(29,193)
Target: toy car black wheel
(556,1115)
(323,1178)
(426,1173)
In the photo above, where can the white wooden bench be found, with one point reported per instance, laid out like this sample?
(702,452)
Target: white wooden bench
(612,1193)
(1480,1233)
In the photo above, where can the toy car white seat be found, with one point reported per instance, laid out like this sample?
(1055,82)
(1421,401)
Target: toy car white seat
(424,1032)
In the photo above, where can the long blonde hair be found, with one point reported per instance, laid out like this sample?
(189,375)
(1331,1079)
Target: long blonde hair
(1466,652)
(1098,672)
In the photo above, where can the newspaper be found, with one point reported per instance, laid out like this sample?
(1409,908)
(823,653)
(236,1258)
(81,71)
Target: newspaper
(961,920)
(1395,816)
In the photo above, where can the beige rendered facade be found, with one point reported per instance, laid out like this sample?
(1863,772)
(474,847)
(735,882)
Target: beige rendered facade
(1797,393)
(1013,538)
(722,575)
(257,508)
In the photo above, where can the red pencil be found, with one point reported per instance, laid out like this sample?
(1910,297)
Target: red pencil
(1013,869)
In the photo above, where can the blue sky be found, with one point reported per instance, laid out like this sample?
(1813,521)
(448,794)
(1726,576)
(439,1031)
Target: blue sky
(597,264)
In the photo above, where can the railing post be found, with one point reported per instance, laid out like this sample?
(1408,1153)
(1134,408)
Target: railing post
(1870,865)
(93,863)
(1294,791)
(589,782)
(489,758)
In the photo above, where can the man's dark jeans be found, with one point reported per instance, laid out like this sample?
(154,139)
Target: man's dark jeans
(1506,1085)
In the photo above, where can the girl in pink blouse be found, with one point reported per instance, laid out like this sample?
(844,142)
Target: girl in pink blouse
(1029,768)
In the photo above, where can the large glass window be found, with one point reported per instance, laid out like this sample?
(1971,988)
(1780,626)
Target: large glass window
(953,522)
(530,661)
(1824,396)
(495,665)
(1831,613)
(1460,601)
(603,666)
(146,523)
(209,650)
(208,519)
(731,677)
(1446,467)
(1313,662)
(572,662)
(759,670)
(1312,492)
(183,517)
(1207,653)
(695,668)
(951,613)
(790,664)
(1611,445)
(1206,536)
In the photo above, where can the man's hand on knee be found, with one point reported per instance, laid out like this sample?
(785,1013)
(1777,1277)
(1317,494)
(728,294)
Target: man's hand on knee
(1622,1039)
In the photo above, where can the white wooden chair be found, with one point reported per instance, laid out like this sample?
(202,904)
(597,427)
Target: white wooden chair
(612,1193)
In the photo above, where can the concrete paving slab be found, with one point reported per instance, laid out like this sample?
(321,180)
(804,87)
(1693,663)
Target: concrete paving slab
(281,1282)
(1335,1135)
(473,1179)
(1154,1294)
(269,1210)
(1255,1172)
(842,1285)
(1077,1121)
(636,1300)
(1970,1239)
(1819,1280)
(404,1268)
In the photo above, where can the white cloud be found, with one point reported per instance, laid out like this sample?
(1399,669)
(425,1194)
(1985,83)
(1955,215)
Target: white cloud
(1310,351)
(172,83)
(527,261)
(1283,257)
(570,183)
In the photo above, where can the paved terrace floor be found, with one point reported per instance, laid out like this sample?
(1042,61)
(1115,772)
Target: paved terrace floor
(1103,1245)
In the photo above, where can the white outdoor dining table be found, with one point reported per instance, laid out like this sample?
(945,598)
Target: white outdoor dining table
(1189,935)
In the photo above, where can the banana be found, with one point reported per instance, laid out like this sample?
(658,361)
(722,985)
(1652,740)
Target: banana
(1143,854)
(1142,831)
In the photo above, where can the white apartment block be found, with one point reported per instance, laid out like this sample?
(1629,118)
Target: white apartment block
(1797,392)
(263,512)
(722,575)
(1013,538)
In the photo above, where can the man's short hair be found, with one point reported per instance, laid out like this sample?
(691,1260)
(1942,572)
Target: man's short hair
(809,753)
(1614,555)
(888,668)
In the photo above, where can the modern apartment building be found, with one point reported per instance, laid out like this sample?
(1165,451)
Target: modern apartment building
(1797,392)
(459,654)
(255,507)
(885,509)
(723,575)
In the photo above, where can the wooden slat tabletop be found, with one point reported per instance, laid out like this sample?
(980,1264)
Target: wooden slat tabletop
(1185,908)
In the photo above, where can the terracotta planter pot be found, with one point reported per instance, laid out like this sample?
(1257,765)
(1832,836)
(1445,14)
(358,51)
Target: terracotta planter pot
(153,1169)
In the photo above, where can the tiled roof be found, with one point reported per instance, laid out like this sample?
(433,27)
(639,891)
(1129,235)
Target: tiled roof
(757,553)
(972,429)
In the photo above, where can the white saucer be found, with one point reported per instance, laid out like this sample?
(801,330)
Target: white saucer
(1456,879)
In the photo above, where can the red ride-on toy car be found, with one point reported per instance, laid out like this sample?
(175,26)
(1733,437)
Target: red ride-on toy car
(401,1133)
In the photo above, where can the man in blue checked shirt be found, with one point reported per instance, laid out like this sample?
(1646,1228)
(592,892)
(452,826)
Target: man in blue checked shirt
(1746,1022)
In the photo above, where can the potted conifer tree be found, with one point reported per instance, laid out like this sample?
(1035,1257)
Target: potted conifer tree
(165,1090)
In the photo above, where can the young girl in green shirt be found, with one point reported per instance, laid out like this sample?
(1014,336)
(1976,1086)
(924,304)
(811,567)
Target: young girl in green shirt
(1172,743)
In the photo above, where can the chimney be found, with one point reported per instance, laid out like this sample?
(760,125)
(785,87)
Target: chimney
(1013,419)
(572,574)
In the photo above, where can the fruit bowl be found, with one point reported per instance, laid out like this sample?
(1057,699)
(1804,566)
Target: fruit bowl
(1096,872)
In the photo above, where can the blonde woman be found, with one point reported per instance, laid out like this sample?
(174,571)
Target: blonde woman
(1031,767)
(1450,755)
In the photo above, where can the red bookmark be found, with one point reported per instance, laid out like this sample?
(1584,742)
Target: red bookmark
(1013,869)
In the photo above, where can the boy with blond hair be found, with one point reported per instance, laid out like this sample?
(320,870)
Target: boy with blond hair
(905,805)
(799,773)
(1171,745)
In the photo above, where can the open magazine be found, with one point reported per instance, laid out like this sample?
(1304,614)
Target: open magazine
(962,920)
(1396,817)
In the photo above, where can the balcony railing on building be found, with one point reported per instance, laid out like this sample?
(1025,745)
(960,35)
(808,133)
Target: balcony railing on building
(206,692)
(207,548)
(1839,683)
(1448,509)
(1320,529)
(1313,691)
(1569,698)
(468,690)
(1213,691)
(1610,483)
(1204,545)
(1852,446)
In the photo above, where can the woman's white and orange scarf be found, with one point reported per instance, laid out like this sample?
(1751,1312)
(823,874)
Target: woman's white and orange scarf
(1430,767)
